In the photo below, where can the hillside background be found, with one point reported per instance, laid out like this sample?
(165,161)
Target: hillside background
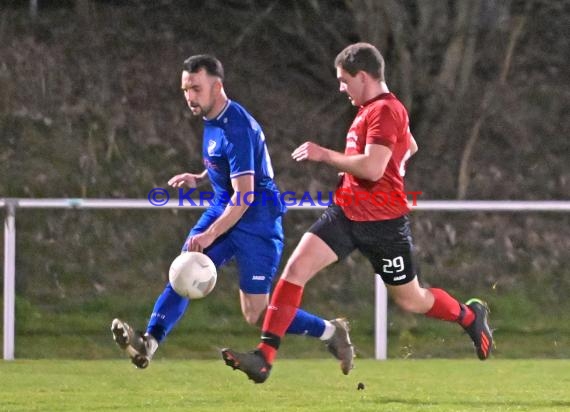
(90,106)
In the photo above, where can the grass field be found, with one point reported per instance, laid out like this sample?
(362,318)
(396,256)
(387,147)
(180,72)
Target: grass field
(67,361)
(295,385)
(81,330)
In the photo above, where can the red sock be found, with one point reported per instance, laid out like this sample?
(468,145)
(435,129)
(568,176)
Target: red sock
(446,307)
(280,313)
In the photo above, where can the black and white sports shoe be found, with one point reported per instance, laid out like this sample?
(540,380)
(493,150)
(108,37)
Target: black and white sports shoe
(479,330)
(340,346)
(140,347)
(253,364)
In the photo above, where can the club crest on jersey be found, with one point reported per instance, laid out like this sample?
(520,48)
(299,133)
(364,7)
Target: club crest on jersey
(211,147)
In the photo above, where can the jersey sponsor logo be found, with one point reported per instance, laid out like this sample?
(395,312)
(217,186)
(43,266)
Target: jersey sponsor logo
(258,277)
(400,277)
(211,147)
(351,139)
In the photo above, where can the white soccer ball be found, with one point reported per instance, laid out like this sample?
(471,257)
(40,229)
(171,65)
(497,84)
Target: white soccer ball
(193,275)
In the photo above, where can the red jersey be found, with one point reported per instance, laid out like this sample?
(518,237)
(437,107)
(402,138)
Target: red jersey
(382,120)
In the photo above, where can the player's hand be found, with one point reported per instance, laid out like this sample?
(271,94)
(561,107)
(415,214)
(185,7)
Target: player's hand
(309,151)
(200,242)
(189,180)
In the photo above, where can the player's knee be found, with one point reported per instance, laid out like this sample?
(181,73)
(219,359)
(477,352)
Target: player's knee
(295,272)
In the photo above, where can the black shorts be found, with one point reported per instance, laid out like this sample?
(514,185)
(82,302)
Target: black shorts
(387,244)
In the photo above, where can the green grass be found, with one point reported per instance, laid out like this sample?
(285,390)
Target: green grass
(295,385)
(81,331)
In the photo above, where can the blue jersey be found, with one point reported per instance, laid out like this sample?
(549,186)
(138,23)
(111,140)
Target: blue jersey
(234,145)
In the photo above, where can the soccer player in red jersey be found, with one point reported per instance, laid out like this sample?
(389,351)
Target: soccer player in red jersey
(369,213)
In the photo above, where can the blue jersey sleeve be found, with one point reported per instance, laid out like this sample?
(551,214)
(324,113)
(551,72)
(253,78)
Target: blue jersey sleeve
(240,151)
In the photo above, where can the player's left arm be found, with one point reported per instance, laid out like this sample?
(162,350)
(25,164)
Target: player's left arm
(370,165)
(239,202)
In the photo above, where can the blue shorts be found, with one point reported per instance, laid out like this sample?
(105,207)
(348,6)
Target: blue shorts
(256,247)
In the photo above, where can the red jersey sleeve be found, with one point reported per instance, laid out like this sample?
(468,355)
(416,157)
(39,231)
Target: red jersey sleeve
(382,126)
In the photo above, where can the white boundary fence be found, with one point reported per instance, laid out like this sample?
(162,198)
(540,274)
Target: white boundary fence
(381,328)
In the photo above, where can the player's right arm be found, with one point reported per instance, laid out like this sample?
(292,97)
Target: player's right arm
(189,180)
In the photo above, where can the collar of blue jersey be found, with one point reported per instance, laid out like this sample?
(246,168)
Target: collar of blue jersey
(218,117)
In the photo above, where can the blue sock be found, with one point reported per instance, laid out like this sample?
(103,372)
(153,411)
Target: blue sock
(306,323)
(168,309)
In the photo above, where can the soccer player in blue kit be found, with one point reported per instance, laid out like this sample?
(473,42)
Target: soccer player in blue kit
(248,228)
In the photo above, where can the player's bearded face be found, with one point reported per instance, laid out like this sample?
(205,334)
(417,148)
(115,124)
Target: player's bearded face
(199,92)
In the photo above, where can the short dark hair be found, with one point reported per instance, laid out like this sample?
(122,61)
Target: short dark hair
(213,66)
(361,57)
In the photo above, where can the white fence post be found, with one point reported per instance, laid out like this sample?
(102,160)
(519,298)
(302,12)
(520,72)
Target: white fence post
(9,278)
(381,316)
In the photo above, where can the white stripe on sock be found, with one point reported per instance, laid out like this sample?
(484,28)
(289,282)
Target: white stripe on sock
(329,331)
